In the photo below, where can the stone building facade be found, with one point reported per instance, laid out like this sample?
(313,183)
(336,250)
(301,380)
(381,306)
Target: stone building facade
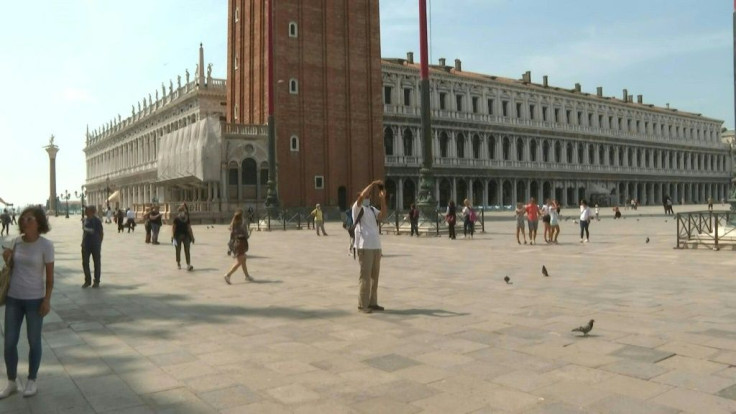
(499,141)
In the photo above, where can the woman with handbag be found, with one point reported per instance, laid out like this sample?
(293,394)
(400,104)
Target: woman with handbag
(239,233)
(451,218)
(29,295)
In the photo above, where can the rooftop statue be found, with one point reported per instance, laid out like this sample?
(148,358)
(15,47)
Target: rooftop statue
(186,73)
(51,141)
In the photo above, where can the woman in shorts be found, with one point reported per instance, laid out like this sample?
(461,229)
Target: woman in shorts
(239,233)
(520,211)
(545,219)
(554,221)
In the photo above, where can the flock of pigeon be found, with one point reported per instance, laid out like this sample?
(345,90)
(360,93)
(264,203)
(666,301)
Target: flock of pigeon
(585,329)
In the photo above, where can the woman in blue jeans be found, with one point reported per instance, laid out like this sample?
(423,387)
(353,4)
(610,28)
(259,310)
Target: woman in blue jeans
(29,297)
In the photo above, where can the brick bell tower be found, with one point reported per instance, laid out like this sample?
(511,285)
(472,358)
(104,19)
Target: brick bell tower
(328,109)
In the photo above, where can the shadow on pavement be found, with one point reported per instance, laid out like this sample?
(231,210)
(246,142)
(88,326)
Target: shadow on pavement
(438,313)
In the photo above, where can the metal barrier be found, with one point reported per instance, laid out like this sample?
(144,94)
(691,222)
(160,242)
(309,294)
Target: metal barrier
(712,229)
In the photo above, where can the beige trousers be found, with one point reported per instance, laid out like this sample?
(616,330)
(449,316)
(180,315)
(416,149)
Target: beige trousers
(370,267)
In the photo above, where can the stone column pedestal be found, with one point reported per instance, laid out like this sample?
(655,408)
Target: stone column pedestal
(52,149)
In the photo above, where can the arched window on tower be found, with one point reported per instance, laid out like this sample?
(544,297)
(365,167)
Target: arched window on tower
(293,86)
(294,143)
(293,30)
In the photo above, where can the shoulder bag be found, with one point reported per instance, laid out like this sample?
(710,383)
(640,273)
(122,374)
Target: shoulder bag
(5,275)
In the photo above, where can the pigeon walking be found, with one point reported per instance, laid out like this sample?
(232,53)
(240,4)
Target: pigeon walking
(585,329)
(544,271)
(507,279)
(647,239)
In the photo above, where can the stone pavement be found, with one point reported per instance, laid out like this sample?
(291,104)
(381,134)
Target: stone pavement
(454,337)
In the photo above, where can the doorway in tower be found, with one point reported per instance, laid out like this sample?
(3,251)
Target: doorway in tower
(342,198)
(445,192)
(507,193)
(409,193)
(492,193)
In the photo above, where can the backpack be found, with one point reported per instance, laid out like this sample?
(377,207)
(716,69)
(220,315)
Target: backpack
(351,228)
(472,215)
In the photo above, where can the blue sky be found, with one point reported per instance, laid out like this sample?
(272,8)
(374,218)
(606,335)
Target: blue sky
(77,62)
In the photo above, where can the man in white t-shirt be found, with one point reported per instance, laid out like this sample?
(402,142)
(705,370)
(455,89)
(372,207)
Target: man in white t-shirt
(130,214)
(368,245)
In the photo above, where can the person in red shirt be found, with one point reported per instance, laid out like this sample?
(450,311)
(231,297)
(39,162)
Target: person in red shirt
(532,218)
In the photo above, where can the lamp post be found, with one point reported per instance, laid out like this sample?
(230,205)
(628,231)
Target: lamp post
(81,197)
(66,196)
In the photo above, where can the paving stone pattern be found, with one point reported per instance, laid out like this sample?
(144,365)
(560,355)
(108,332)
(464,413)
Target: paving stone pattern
(454,337)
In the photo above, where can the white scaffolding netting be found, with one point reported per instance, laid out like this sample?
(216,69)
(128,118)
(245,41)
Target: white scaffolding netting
(191,152)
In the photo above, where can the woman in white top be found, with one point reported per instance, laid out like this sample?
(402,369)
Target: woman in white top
(554,221)
(29,296)
(584,221)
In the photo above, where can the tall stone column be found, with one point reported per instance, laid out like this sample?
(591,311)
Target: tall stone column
(52,149)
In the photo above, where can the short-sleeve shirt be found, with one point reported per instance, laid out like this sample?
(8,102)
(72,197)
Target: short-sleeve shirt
(28,280)
(532,212)
(131,214)
(317,213)
(366,231)
(92,235)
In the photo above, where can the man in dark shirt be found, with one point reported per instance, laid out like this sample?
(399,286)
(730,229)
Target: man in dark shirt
(91,245)
(5,218)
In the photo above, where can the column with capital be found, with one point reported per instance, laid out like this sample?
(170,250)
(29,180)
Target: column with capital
(52,149)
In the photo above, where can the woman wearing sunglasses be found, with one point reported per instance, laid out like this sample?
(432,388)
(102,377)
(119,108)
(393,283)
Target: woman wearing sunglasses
(29,296)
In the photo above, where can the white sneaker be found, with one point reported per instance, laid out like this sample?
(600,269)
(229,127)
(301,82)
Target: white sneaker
(581,240)
(586,240)
(9,389)
(31,389)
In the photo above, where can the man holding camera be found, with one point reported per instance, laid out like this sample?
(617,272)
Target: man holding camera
(368,244)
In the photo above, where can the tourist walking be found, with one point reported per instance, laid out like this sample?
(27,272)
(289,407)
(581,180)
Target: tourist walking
(5,219)
(368,244)
(414,219)
(156,220)
(532,218)
(468,219)
(119,219)
(147,224)
(451,218)
(91,246)
(29,296)
(108,215)
(520,211)
(554,221)
(12,217)
(597,211)
(710,203)
(181,234)
(239,234)
(616,213)
(584,221)
(130,214)
(319,222)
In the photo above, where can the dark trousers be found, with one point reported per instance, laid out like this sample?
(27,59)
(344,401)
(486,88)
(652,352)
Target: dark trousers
(468,226)
(186,242)
(93,251)
(584,228)
(414,227)
(451,227)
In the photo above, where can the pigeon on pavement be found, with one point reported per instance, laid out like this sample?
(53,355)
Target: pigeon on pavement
(544,271)
(585,329)
(507,279)
(647,239)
